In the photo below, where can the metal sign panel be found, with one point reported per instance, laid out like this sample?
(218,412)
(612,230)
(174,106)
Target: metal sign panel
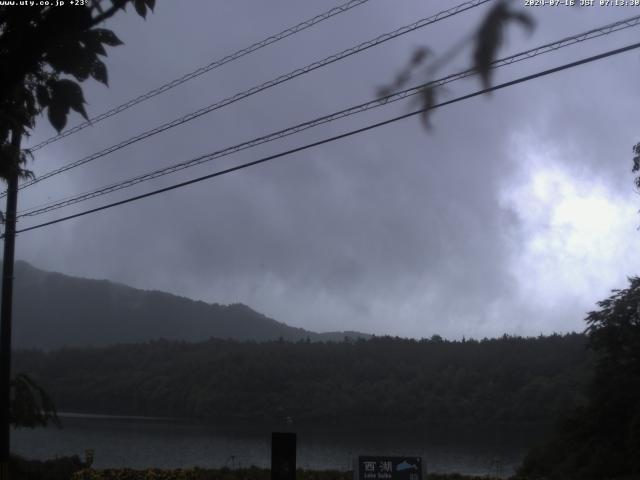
(371,467)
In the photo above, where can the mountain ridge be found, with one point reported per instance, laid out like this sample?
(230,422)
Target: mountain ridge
(54,310)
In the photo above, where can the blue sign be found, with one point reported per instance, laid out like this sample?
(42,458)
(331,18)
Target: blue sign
(388,468)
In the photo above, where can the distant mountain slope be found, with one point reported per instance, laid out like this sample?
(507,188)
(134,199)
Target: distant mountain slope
(53,310)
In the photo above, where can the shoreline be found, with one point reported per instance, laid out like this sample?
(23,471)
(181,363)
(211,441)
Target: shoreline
(106,416)
(72,468)
(361,423)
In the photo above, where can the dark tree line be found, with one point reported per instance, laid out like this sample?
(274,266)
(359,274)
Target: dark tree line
(602,438)
(510,379)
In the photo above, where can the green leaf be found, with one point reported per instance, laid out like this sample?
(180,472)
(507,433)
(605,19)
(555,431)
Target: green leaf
(31,406)
(383,92)
(66,94)
(73,19)
(419,56)
(428,95)
(524,20)
(99,72)
(70,92)
(107,37)
(92,42)
(57,115)
(120,4)
(30,105)
(73,58)
(141,7)
(489,37)
(42,94)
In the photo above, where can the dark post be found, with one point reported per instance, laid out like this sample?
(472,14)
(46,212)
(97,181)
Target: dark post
(6,307)
(283,456)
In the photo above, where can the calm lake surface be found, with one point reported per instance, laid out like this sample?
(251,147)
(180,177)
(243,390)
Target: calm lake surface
(164,443)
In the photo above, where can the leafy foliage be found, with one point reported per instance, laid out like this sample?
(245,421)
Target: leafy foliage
(393,380)
(61,468)
(602,439)
(486,41)
(9,168)
(31,406)
(41,47)
(72,468)
(64,95)
(45,53)
(490,36)
(419,56)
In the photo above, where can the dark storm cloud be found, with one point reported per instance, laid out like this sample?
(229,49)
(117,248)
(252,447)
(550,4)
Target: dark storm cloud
(394,231)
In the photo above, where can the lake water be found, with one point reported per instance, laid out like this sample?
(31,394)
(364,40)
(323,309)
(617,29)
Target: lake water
(165,443)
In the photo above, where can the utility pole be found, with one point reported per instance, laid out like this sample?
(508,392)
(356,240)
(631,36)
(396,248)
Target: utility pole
(7,304)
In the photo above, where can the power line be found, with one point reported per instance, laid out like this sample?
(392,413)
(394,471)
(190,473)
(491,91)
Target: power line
(202,70)
(272,83)
(543,49)
(594,33)
(337,137)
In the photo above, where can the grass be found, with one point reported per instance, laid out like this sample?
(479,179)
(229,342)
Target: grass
(72,468)
(252,473)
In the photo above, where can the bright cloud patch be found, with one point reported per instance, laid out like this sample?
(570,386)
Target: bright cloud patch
(577,238)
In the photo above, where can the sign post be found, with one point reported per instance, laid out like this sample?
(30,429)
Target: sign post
(369,467)
(283,456)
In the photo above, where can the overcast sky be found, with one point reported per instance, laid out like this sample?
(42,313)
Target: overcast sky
(515,214)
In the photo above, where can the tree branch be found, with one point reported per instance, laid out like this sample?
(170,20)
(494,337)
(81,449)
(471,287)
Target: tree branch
(110,12)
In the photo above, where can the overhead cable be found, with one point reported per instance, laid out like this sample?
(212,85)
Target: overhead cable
(528,54)
(202,70)
(336,137)
(252,91)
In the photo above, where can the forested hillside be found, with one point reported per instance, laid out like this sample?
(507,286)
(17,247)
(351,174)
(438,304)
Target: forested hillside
(54,310)
(394,380)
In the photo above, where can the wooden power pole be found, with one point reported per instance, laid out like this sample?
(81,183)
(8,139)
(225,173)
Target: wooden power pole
(7,304)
